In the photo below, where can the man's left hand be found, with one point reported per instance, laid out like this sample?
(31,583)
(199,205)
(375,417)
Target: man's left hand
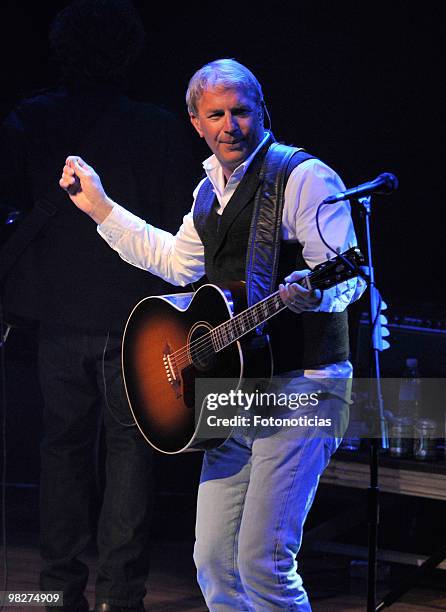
(296,296)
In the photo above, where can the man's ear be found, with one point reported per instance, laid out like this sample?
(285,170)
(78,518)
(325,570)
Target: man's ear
(196,123)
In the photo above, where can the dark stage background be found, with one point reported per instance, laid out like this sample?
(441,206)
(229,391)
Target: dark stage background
(355,83)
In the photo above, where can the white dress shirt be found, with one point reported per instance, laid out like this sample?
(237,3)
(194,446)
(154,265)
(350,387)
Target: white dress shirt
(179,259)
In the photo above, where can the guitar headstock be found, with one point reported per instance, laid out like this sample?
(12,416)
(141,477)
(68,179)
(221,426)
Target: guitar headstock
(340,268)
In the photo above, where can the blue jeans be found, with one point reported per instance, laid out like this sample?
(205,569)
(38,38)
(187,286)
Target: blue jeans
(254,496)
(81,384)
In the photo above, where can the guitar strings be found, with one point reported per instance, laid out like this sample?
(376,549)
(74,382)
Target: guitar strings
(206,339)
(183,355)
(205,344)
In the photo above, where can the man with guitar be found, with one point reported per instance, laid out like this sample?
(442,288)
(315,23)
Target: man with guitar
(256,488)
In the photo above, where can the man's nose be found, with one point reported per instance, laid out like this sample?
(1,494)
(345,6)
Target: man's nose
(231,123)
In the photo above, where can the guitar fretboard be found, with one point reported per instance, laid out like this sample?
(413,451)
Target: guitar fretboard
(246,321)
(325,275)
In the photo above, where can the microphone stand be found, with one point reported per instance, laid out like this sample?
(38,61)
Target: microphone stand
(375,304)
(362,195)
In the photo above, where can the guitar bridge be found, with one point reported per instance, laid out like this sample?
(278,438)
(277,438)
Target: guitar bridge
(170,366)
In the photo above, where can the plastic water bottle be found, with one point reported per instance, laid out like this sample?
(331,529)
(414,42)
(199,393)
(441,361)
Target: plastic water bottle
(410,390)
(425,441)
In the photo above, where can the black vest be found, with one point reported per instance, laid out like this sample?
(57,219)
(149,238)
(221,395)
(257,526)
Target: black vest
(298,341)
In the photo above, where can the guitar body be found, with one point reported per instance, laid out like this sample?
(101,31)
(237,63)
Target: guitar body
(167,346)
(172,342)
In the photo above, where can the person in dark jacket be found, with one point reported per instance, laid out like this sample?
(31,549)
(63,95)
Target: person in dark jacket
(81,293)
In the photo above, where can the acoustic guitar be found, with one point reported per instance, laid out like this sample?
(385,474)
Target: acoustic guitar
(172,342)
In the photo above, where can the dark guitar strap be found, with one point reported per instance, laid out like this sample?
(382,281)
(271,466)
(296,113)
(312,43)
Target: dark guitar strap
(265,232)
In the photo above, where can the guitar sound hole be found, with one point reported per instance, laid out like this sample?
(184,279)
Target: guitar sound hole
(200,347)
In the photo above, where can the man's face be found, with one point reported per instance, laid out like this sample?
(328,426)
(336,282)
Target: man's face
(231,122)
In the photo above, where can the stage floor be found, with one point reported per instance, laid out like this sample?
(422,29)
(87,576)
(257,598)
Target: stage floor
(172,585)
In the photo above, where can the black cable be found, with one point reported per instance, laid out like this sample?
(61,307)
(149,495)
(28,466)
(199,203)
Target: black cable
(356,269)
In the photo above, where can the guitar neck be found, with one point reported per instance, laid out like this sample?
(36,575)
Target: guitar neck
(324,276)
(232,330)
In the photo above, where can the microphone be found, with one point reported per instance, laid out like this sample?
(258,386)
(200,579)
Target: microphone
(383,184)
(75,188)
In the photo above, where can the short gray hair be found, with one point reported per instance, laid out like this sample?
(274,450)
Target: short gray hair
(226,73)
